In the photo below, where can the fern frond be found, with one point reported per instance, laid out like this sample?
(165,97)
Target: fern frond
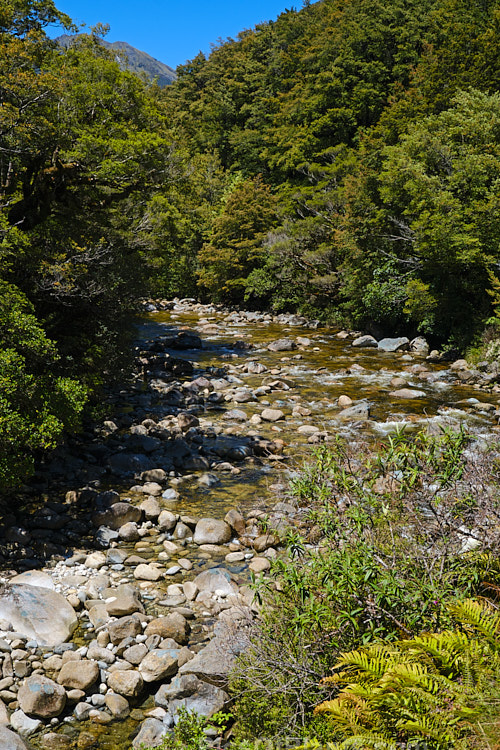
(480,617)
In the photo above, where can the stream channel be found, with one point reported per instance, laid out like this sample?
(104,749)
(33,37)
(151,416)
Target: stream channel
(202,429)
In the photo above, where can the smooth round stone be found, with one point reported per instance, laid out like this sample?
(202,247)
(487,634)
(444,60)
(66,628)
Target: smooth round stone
(235,557)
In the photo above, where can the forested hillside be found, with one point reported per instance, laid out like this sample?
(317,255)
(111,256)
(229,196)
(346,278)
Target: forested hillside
(342,161)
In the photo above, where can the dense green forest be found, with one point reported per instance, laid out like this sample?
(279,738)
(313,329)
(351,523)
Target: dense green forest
(342,161)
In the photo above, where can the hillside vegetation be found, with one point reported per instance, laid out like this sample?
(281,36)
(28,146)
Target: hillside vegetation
(342,161)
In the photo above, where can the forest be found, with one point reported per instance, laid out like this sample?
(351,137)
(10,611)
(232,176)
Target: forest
(341,161)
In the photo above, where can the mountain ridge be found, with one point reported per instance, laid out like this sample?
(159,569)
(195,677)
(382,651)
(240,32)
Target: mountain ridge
(136,60)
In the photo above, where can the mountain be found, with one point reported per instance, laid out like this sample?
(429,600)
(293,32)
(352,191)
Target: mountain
(132,59)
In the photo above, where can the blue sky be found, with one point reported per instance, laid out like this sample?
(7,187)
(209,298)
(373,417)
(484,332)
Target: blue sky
(174,31)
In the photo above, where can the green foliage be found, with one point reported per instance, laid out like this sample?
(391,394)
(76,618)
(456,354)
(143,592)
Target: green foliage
(392,530)
(235,247)
(36,405)
(189,731)
(427,689)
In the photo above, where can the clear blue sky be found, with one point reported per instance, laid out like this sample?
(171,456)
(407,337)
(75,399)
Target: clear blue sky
(174,31)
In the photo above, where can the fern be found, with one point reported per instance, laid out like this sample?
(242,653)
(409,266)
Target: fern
(427,688)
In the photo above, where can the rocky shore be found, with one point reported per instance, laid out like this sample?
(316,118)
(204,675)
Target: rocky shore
(120,601)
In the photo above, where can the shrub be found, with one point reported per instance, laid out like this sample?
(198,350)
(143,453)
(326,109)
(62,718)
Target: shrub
(402,532)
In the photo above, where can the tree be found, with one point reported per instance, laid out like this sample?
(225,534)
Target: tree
(235,247)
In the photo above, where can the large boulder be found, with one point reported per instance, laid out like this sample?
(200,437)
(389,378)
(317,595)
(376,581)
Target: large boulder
(38,613)
(40,696)
(35,578)
(212,531)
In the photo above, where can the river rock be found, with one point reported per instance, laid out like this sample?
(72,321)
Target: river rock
(190,590)
(40,696)
(179,687)
(38,613)
(125,627)
(282,345)
(207,700)
(100,653)
(129,532)
(359,411)
(11,741)
(53,741)
(159,664)
(272,415)
(259,564)
(150,734)
(35,578)
(185,420)
(407,393)
(81,677)
(167,520)
(365,342)
(236,521)
(134,654)
(215,579)
(173,625)
(215,662)
(125,601)
(394,345)
(117,705)
(264,541)
(211,531)
(308,429)
(117,515)
(419,346)
(150,572)
(127,682)
(81,711)
(154,475)
(23,724)
(236,415)
(95,560)
(151,508)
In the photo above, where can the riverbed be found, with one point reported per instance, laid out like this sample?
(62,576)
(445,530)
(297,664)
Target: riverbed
(225,407)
